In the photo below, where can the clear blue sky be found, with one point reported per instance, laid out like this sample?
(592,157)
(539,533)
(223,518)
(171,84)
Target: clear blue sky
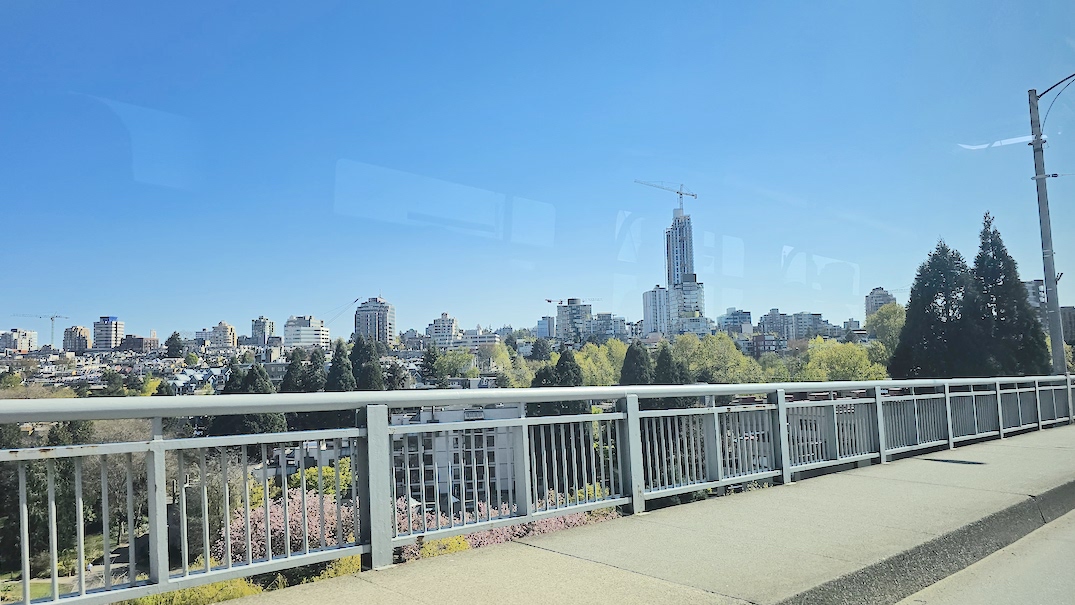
(181,164)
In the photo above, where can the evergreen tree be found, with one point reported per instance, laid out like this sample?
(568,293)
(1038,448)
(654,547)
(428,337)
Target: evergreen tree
(395,378)
(1011,340)
(510,342)
(429,364)
(165,388)
(371,377)
(936,341)
(235,380)
(340,377)
(173,346)
(568,372)
(296,368)
(362,352)
(637,365)
(257,381)
(313,378)
(545,377)
(541,350)
(669,370)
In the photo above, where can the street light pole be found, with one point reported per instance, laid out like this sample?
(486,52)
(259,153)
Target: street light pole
(1052,302)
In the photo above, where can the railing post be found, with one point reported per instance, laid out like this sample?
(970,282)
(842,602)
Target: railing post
(157,494)
(879,404)
(1000,412)
(1037,401)
(784,441)
(382,510)
(1071,414)
(521,460)
(948,414)
(633,463)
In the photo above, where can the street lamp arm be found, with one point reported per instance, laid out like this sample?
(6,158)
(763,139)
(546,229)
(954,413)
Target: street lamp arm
(1055,85)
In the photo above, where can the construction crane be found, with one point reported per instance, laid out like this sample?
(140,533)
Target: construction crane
(680,191)
(51,318)
(561,301)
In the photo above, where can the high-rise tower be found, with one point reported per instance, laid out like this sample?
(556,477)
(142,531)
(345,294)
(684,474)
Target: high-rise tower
(679,248)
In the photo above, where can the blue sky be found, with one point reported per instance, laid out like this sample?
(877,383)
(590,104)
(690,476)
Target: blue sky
(178,165)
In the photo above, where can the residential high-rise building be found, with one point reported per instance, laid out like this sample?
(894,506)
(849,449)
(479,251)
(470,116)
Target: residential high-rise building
(1067,321)
(107,333)
(775,322)
(139,344)
(679,248)
(546,327)
(77,339)
(444,331)
(1035,295)
(688,307)
(735,321)
(375,319)
(607,325)
(261,329)
(572,319)
(224,335)
(851,325)
(18,339)
(306,331)
(656,314)
(807,325)
(877,298)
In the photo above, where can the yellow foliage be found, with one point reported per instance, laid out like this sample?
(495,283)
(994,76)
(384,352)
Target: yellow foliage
(444,546)
(201,595)
(340,567)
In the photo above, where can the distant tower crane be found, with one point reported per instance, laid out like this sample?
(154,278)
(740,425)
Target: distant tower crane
(680,191)
(51,318)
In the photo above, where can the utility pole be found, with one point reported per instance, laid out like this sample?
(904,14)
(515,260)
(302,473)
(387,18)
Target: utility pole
(1052,302)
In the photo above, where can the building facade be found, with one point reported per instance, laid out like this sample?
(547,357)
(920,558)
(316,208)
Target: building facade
(688,307)
(444,332)
(107,333)
(375,319)
(679,248)
(607,325)
(18,339)
(877,298)
(260,331)
(572,319)
(1067,321)
(77,339)
(776,323)
(656,314)
(306,331)
(139,344)
(735,321)
(1035,295)
(546,327)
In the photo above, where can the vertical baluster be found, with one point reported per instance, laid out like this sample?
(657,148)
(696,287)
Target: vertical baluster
(449,444)
(561,450)
(226,505)
(536,499)
(355,520)
(265,501)
(205,509)
(181,479)
(592,453)
(321,496)
(422,479)
(550,491)
(50,471)
(436,477)
(24,534)
(407,498)
(284,479)
(337,447)
(301,455)
(574,463)
(80,528)
(246,503)
(105,528)
(132,567)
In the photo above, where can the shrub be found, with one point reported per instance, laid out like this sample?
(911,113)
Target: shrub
(201,595)
(294,522)
(444,546)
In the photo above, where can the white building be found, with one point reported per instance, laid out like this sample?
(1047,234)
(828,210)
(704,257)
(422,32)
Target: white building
(877,298)
(656,316)
(472,339)
(107,333)
(261,329)
(306,331)
(572,320)
(679,248)
(452,467)
(375,319)
(19,339)
(77,339)
(688,307)
(1035,295)
(735,321)
(444,331)
(608,325)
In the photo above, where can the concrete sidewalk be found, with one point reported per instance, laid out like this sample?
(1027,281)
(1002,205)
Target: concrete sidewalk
(1036,570)
(868,535)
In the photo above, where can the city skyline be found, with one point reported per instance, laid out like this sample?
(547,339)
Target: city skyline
(312,165)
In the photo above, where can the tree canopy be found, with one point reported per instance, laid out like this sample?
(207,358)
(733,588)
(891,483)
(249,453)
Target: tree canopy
(173,347)
(340,377)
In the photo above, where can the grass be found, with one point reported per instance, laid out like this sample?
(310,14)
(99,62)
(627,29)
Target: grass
(11,590)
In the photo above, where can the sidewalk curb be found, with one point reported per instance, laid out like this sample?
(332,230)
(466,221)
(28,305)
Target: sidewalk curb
(902,575)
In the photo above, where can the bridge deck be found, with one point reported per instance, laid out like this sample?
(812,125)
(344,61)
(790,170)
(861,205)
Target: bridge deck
(763,546)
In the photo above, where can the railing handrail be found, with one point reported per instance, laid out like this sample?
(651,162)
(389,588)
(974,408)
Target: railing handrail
(112,408)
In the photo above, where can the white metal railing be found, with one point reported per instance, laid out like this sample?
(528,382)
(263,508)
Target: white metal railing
(174,513)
